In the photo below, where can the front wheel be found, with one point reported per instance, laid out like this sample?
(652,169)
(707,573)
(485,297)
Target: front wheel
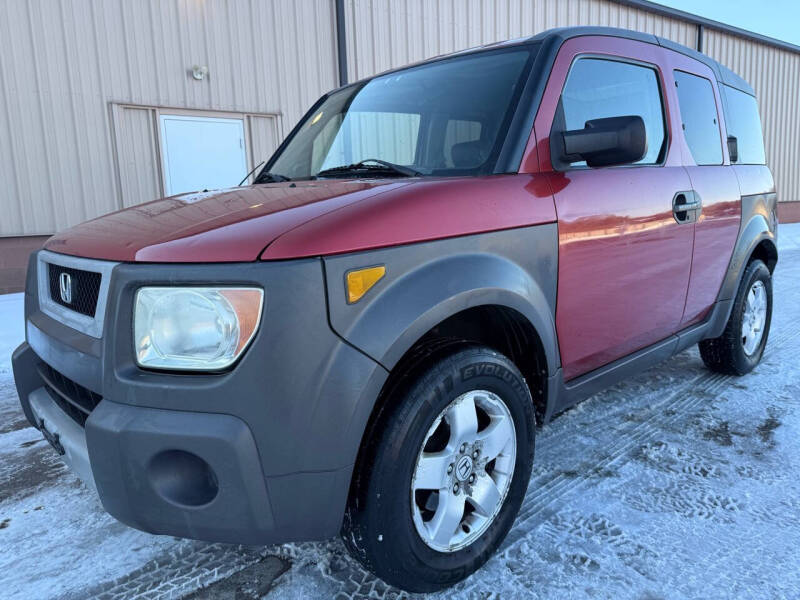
(443,479)
(740,347)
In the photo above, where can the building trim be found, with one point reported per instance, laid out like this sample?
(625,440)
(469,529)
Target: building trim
(674,13)
(789,211)
(341,42)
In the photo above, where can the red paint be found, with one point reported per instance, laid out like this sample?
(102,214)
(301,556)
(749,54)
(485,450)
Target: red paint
(220,226)
(715,235)
(754,179)
(623,264)
(627,275)
(424,210)
(311,219)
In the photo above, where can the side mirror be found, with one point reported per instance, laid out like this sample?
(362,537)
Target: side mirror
(605,142)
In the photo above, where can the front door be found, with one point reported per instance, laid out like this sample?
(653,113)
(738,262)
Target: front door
(624,256)
(201,153)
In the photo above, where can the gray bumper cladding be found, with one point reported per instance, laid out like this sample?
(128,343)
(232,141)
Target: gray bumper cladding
(262,453)
(64,434)
(193,475)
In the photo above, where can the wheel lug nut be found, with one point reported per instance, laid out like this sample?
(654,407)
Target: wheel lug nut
(450,469)
(475,454)
(455,489)
(463,448)
(472,478)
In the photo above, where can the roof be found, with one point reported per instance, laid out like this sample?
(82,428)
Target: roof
(554,38)
(723,73)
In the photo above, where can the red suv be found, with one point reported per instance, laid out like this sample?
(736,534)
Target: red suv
(434,261)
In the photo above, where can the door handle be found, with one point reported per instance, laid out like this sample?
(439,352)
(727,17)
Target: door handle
(686,206)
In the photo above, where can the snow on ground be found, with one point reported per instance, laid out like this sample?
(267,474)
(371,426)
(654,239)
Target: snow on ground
(676,483)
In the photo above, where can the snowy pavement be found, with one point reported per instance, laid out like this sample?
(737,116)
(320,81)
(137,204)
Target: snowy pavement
(676,483)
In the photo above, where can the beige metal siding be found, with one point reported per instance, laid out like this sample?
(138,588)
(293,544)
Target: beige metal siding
(136,143)
(63,63)
(384,34)
(263,138)
(775,76)
(82,81)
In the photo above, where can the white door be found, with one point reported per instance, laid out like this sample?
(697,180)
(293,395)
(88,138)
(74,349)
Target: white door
(202,153)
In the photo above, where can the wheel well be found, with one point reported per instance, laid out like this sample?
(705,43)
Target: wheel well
(767,253)
(498,327)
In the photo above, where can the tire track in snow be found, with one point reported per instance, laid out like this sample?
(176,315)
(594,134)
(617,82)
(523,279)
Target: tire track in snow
(690,395)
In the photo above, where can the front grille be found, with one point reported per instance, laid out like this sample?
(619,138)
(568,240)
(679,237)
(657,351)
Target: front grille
(85,288)
(73,399)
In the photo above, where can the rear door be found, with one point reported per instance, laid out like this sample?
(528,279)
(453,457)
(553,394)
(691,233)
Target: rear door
(624,258)
(715,187)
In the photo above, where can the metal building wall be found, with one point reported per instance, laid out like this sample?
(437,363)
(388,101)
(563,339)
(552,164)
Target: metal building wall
(774,74)
(65,63)
(80,80)
(383,34)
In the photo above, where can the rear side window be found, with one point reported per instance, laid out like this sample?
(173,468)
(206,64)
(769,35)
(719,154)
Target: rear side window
(743,122)
(598,88)
(699,116)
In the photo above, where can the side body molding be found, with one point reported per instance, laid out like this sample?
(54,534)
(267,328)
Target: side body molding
(428,282)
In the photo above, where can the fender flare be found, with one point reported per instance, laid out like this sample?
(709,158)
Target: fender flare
(412,304)
(753,232)
(758,225)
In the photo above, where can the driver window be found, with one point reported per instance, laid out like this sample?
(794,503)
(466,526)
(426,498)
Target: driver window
(598,88)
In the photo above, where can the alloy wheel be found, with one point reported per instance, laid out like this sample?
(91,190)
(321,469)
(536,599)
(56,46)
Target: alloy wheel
(754,318)
(463,471)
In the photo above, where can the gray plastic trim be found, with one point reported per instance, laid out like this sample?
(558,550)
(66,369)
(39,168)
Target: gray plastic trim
(71,435)
(91,326)
(428,282)
(758,223)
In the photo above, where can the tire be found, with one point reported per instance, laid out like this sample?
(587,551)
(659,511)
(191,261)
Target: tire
(386,518)
(733,353)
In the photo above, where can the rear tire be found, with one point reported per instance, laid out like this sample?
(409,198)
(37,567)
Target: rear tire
(460,436)
(740,347)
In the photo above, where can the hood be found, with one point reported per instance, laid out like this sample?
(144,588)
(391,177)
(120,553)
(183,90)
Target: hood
(233,225)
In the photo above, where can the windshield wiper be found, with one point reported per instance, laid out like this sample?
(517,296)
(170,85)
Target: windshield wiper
(381,166)
(266,177)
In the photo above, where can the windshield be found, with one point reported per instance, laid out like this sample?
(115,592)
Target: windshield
(448,117)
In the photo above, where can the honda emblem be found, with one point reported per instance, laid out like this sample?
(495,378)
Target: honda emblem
(65,287)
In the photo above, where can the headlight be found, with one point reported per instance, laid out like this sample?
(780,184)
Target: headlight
(194,328)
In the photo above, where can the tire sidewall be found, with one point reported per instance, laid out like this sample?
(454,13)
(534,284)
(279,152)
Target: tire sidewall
(757,271)
(390,485)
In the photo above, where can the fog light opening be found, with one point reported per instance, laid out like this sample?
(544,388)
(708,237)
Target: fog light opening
(183,478)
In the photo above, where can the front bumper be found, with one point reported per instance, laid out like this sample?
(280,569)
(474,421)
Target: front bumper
(261,454)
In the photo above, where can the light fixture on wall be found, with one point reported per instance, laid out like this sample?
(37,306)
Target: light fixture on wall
(199,72)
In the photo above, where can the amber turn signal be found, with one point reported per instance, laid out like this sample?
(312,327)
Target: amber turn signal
(360,281)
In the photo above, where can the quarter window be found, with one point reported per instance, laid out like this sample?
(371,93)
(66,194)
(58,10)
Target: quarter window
(598,88)
(699,117)
(744,124)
